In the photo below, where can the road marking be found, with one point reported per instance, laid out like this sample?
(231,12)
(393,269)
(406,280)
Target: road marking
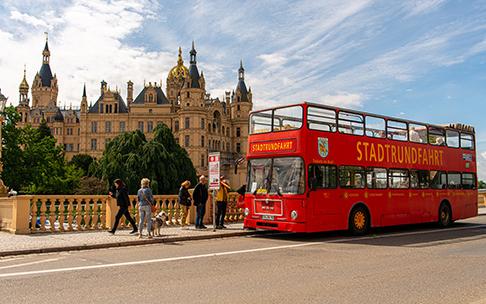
(30,263)
(225,253)
(10,259)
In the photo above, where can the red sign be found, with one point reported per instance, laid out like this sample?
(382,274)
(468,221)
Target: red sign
(272,207)
(284,145)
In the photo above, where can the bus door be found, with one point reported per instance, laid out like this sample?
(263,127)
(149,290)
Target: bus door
(398,207)
(324,196)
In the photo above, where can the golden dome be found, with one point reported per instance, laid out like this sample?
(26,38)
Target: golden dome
(179,71)
(24,84)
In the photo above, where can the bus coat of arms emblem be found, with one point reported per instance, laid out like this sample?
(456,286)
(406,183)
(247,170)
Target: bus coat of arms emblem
(323,146)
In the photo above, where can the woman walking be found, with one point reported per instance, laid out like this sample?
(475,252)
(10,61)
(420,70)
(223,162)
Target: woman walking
(120,192)
(145,202)
(184,201)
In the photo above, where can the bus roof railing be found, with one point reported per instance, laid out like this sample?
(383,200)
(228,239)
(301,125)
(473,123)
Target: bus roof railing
(454,126)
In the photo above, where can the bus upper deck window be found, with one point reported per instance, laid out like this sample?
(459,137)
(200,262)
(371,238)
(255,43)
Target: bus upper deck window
(417,133)
(321,119)
(261,122)
(436,136)
(467,141)
(452,138)
(289,118)
(396,130)
(351,123)
(375,127)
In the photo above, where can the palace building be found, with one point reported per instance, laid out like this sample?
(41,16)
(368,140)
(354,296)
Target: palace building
(200,124)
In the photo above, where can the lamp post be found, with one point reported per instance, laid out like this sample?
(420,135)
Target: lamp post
(3,102)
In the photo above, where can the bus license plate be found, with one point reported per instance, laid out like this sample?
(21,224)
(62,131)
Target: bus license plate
(267,217)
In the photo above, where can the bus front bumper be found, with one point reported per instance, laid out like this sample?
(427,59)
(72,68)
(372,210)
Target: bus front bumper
(274,225)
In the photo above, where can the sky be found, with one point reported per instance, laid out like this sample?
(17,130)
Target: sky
(419,60)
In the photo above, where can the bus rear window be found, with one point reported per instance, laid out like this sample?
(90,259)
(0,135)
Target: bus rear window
(467,141)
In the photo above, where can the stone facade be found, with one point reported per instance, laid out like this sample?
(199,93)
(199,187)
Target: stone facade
(200,124)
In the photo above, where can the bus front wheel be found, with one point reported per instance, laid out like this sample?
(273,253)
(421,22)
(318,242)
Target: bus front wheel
(359,221)
(445,215)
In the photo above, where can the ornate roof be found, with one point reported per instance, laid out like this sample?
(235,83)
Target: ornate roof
(193,68)
(179,71)
(24,85)
(45,75)
(122,107)
(161,99)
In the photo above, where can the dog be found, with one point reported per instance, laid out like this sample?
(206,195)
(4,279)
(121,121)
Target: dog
(159,221)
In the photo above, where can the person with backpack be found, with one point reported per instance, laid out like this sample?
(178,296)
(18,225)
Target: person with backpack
(145,202)
(120,192)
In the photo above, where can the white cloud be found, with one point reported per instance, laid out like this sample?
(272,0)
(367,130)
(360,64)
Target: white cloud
(27,19)
(272,60)
(418,7)
(343,99)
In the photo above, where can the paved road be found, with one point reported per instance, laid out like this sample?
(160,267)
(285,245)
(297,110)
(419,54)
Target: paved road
(419,264)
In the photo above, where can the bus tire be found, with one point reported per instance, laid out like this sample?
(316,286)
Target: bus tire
(445,215)
(359,220)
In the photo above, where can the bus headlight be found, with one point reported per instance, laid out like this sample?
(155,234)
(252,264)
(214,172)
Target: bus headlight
(247,211)
(294,214)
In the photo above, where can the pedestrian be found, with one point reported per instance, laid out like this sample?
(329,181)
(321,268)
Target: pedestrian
(184,201)
(120,192)
(200,196)
(222,202)
(145,202)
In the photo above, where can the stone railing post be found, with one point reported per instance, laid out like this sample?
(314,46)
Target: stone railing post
(111,210)
(21,214)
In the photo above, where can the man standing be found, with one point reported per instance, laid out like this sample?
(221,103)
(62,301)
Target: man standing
(222,202)
(200,196)
(123,201)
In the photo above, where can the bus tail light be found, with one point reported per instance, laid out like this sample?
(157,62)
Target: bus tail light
(294,214)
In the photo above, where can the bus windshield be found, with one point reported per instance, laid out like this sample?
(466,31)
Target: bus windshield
(281,119)
(283,175)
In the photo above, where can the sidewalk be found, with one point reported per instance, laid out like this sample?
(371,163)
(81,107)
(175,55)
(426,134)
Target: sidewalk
(11,244)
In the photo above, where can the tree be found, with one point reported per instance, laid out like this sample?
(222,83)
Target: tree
(14,169)
(482,184)
(91,185)
(131,157)
(83,162)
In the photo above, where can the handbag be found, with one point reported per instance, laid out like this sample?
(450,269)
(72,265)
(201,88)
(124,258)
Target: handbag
(153,208)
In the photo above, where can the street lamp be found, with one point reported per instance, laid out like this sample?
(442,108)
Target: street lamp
(3,102)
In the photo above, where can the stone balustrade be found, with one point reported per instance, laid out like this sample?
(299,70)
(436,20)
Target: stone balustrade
(65,213)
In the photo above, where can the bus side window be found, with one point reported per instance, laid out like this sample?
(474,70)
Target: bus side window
(452,138)
(454,180)
(419,179)
(322,176)
(468,181)
(351,177)
(398,179)
(376,178)
(321,119)
(438,180)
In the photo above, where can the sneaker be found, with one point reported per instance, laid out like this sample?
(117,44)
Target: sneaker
(203,227)
(219,227)
(134,231)
(111,232)
(224,227)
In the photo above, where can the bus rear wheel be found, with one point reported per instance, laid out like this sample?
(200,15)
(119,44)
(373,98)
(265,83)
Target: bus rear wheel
(445,215)
(359,221)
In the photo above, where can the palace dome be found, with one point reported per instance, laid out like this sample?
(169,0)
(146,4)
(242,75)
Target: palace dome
(179,71)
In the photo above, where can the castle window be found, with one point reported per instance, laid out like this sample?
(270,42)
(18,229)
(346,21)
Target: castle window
(21,117)
(107,109)
(111,108)
(122,126)
(238,132)
(209,127)
(140,125)
(151,98)
(228,132)
(150,126)
(186,141)
(94,127)
(187,123)
(116,108)
(203,160)
(93,144)
(238,107)
(108,126)
(202,123)
(238,147)
(223,130)
(177,140)
(238,99)
(176,125)
(202,141)
(188,95)
(79,132)
(227,146)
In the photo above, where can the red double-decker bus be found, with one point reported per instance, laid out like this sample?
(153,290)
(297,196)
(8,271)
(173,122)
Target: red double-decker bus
(319,168)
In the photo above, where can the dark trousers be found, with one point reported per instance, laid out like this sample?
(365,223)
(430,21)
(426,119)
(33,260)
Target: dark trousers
(200,211)
(221,213)
(123,211)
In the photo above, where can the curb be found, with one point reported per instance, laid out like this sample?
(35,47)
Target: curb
(128,243)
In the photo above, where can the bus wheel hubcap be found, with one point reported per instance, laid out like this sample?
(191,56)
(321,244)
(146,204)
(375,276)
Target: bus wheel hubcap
(359,220)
